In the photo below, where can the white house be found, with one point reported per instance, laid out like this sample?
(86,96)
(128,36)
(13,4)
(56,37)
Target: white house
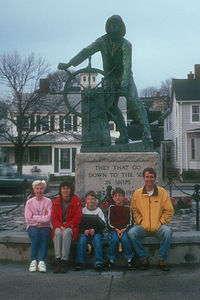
(181,146)
(53,153)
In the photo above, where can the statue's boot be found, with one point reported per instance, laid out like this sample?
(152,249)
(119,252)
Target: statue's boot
(123,139)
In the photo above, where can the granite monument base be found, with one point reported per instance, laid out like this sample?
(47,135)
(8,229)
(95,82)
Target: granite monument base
(97,171)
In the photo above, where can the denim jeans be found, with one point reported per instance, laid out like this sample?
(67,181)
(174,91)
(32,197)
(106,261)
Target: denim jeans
(164,233)
(97,244)
(114,242)
(39,237)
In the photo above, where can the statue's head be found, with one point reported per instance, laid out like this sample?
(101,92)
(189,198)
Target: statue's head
(115,26)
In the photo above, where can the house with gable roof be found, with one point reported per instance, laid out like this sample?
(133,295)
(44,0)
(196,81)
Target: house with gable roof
(180,149)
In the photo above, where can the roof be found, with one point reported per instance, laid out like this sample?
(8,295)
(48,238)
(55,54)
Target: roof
(56,102)
(186,89)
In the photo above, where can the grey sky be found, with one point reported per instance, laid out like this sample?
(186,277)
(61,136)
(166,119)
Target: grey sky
(164,33)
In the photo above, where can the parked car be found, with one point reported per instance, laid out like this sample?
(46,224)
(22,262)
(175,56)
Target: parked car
(12,183)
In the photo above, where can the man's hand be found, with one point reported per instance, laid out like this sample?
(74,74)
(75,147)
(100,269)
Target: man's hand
(62,66)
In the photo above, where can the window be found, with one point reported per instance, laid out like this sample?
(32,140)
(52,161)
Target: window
(44,123)
(23,123)
(93,78)
(39,155)
(192,148)
(68,123)
(64,159)
(195,113)
(84,78)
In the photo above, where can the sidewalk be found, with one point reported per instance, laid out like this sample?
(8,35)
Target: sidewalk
(181,283)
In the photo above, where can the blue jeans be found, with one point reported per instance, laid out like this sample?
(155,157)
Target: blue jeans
(39,241)
(164,233)
(97,244)
(114,242)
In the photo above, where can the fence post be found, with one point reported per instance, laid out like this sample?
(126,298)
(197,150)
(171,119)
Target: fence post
(170,183)
(196,197)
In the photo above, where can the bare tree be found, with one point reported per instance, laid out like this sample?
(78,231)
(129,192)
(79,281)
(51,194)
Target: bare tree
(166,86)
(149,92)
(58,78)
(22,75)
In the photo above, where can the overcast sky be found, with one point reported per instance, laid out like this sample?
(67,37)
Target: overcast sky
(164,33)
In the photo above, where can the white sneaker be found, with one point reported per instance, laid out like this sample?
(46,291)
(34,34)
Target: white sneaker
(33,266)
(42,267)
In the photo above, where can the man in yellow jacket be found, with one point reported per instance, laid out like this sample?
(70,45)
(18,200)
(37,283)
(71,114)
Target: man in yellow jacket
(152,210)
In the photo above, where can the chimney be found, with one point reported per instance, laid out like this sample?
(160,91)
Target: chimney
(44,86)
(191,75)
(197,71)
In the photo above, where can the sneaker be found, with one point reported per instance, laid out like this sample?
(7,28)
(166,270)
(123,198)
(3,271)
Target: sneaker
(79,266)
(162,265)
(144,264)
(131,265)
(42,267)
(33,266)
(98,267)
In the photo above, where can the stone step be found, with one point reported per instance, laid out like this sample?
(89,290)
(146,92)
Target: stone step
(185,248)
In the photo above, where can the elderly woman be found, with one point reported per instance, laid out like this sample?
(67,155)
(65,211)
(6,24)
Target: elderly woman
(66,216)
(38,216)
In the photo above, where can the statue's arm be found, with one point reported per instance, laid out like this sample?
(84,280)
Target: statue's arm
(127,64)
(81,56)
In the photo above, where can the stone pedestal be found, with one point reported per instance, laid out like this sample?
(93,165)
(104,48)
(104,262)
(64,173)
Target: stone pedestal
(95,171)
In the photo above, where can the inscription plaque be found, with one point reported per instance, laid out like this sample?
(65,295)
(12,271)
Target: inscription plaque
(97,171)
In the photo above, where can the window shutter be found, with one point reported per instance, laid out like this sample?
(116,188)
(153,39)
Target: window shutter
(74,123)
(56,161)
(52,123)
(38,123)
(32,125)
(73,159)
(61,123)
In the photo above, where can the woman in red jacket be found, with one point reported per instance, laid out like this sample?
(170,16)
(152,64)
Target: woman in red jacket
(65,218)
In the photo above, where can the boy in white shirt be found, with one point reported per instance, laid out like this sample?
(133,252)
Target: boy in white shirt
(91,227)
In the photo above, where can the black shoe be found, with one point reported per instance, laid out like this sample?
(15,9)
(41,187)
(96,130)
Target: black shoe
(131,265)
(57,266)
(98,267)
(109,264)
(63,268)
(79,266)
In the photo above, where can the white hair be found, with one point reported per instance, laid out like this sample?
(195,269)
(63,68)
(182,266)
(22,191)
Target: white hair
(38,182)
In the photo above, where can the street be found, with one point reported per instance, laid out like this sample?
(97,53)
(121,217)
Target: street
(182,282)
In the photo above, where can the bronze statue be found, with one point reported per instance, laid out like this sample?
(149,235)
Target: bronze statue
(116,54)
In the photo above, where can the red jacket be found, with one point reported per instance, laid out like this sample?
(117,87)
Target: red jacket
(74,215)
